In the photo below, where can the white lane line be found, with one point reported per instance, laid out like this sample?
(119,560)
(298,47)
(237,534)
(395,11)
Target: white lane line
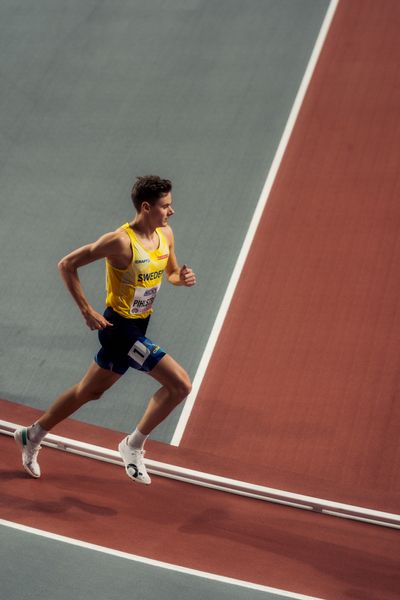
(154,563)
(198,378)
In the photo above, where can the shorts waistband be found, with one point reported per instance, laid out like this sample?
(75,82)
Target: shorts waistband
(113,315)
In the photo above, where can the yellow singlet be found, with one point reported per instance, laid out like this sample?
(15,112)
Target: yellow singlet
(131,292)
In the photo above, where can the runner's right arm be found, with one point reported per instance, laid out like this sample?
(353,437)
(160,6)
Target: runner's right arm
(112,246)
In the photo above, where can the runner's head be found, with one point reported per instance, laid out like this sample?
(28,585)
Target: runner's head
(149,189)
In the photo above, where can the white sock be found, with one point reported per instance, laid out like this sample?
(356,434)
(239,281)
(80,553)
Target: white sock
(36,433)
(137,440)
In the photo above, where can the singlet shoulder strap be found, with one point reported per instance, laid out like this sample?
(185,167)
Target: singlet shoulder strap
(131,234)
(163,238)
(126,227)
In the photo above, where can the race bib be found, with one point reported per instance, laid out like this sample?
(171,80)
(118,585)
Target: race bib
(143,299)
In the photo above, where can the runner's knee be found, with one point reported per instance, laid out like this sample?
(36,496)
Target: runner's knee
(85,394)
(182,387)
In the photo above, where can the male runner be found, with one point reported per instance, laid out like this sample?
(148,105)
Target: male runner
(136,254)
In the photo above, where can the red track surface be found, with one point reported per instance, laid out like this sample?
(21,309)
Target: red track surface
(201,529)
(304,381)
(312,406)
(200,460)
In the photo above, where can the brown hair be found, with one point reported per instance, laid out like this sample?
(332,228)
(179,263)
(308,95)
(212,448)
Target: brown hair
(149,188)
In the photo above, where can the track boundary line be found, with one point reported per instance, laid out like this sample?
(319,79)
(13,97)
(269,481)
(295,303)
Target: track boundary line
(262,201)
(223,484)
(152,562)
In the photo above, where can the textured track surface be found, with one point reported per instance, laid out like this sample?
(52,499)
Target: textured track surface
(305,376)
(199,528)
(302,390)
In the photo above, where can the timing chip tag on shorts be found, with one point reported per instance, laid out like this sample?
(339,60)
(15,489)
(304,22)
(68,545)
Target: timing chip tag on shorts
(139,352)
(145,355)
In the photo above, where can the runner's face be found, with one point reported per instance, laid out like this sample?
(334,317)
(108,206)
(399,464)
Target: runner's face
(162,210)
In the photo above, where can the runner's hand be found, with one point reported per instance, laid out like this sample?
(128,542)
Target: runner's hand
(187,276)
(95,320)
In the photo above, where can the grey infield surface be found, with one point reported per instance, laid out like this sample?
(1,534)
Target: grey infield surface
(54,570)
(94,93)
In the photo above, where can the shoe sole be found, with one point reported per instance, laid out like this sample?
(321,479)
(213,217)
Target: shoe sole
(135,479)
(18,438)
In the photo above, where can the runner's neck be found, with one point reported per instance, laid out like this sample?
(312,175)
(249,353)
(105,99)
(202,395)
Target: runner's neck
(146,234)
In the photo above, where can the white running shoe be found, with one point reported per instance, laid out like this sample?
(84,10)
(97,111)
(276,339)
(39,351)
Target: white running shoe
(29,452)
(134,462)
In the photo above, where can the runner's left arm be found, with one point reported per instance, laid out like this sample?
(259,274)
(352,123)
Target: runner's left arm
(177,275)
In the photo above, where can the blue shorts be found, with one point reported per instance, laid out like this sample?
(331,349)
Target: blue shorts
(125,345)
